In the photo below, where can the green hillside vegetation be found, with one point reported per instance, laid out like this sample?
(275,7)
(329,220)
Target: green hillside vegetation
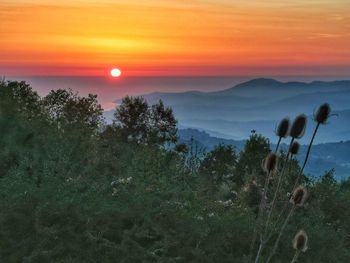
(325,156)
(74,189)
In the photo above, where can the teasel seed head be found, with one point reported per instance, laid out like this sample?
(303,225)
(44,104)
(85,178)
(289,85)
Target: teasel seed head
(283,128)
(298,127)
(300,241)
(299,196)
(323,113)
(270,162)
(294,148)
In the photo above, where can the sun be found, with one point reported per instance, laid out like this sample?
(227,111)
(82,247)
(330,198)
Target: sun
(115,73)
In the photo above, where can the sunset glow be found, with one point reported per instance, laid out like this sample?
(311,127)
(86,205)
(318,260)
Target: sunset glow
(174,37)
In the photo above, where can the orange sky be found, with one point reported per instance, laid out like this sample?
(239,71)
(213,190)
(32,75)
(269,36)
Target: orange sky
(175,37)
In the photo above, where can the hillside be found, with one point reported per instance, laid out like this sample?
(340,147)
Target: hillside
(259,104)
(324,156)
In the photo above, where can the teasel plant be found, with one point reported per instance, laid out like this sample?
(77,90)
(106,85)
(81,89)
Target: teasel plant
(296,131)
(292,151)
(300,244)
(297,199)
(299,193)
(282,132)
(320,117)
(269,166)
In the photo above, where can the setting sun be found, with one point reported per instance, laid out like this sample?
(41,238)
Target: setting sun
(116,72)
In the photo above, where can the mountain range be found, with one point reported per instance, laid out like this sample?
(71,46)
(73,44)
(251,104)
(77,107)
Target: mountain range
(259,104)
(228,116)
(324,157)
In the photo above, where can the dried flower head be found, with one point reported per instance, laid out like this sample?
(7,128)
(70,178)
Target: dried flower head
(294,148)
(283,128)
(270,162)
(299,196)
(298,127)
(300,241)
(323,113)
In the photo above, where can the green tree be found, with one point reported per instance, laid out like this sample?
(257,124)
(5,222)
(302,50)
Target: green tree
(255,150)
(69,110)
(162,124)
(21,123)
(18,99)
(141,123)
(131,118)
(219,164)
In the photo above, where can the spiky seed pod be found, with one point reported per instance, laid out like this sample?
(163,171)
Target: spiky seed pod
(299,196)
(323,113)
(300,241)
(270,162)
(294,148)
(298,127)
(283,128)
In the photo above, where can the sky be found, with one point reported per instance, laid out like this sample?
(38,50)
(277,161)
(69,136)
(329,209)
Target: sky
(175,37)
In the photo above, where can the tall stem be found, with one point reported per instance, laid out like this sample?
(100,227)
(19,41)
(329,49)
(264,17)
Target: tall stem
(295,258)
(264,229)
(307,156)
(275,246)
(303,166)
(260,212)
(263,201)
(278,144)
(259,252)
(277,191)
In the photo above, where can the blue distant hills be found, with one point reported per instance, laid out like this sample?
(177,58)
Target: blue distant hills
(228,116)
(324,156)
(259,104)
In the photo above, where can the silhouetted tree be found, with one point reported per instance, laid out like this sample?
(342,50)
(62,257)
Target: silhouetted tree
(69,110)
(162,124)
(250,159)
(219,164)
(142,123)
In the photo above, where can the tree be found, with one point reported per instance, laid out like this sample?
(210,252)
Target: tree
(131,117)
(163,124)
(146,124)
(250,159)
(71,111)
(18,98)
(219,164)
(20,123)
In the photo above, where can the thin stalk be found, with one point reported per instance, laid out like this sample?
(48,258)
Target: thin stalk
(275,246)
(259,252)
(303,166)
(259,214)
(307,156)
(295,258)
(261,208)
(281,213)
(278,144)
(274,228)
(276,192)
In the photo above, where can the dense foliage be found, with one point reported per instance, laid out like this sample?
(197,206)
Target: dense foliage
(73,189)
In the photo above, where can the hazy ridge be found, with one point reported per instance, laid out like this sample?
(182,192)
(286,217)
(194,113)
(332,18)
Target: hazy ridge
(324,156)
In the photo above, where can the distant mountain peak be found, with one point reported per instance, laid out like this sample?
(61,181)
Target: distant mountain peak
(260,82)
